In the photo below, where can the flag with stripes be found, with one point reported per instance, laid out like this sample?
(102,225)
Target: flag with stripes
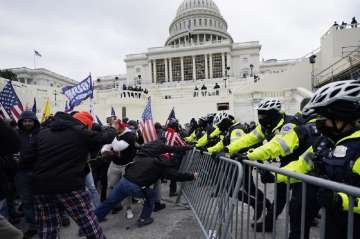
(3,114)
(173,138)
(147,127)
(11,104)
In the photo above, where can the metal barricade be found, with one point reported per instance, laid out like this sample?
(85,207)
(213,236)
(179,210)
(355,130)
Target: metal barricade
(213,196)
(229,198)
(296,199)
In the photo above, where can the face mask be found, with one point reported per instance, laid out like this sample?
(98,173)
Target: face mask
(225,124)
(332,132)
(269,120)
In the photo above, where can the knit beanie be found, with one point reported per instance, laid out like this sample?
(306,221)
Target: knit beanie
(85,118)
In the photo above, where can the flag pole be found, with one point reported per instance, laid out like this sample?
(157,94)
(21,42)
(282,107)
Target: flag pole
(34,60)
(91,106)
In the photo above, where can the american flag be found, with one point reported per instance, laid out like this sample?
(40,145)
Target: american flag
(10,104)
(147,125)
(171,116)
(173,138)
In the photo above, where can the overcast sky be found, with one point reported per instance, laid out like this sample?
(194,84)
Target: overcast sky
(76,37)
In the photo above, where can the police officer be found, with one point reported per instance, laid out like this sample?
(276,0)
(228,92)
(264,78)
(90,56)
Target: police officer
(230,131)
(271,122)
(336,156)
(208,131)
(288,145)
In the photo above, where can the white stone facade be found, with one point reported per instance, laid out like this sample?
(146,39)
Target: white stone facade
(207,56)
(42,77)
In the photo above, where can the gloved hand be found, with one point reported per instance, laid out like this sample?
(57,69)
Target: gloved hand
(329,199)
(217,157)
(266,176)
(322,146)
(240,157)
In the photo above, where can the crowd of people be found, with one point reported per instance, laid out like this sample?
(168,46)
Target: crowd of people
(133,92)
(353,24)
(69,166)
(57,169)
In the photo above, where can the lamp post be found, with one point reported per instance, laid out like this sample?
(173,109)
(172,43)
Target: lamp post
(227,69)
(139,80)
(251,70)
(312,61)
(55,94)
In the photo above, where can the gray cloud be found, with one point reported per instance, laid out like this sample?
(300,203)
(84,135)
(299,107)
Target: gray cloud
(77,37)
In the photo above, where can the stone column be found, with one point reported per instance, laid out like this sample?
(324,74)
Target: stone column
(170,70)
(194,67)
(166,70)
(150,73)
(211,66)
(155,77)
(206,67)
(223,64)
(182,68)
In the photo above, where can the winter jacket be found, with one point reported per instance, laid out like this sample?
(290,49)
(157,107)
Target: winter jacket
(10,144)
(27,156)
(123,146)
(62,150)
(148,166)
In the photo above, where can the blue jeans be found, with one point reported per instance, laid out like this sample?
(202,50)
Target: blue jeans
(90,187)
(123,189)
(23,186)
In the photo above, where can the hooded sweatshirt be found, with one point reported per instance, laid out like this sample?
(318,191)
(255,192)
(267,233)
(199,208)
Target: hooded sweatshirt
(27,138)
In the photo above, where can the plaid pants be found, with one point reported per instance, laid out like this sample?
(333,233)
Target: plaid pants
(48,210)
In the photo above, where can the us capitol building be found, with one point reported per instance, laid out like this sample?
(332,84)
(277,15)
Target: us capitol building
(200,53)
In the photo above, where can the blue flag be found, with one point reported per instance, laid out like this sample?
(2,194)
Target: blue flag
(78,93)
(98,121)
(34,106)
(113,114)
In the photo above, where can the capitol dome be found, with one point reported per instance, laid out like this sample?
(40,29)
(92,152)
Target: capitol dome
(201,18)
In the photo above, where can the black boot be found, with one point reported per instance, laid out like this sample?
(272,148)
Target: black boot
(159,206)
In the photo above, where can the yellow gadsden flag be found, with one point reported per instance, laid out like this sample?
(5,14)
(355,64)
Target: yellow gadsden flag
(46,112)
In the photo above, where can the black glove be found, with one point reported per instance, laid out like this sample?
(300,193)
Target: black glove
(322,146)
(329,199)
(266,176)
(217,157)
(240,157)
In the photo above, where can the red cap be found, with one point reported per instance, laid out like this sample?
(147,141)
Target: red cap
(85,118)
(118,124)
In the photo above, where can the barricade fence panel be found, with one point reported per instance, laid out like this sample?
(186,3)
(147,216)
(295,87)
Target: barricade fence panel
(230,200)
(213,196)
